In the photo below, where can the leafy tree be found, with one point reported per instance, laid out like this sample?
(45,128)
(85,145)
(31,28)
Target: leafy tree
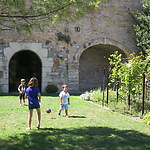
(27,14)
(142,27)
(129,74)
(116,64)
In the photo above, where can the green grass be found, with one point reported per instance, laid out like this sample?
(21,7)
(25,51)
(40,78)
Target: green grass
(89,127)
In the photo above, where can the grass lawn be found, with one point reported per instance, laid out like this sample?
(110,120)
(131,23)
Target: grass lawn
(89,127)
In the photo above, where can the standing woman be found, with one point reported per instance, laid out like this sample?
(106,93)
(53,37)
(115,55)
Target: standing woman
(34,99)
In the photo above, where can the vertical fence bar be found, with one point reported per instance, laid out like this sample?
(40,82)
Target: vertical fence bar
(129,100)
(103,87)
(107,92)
(143,94)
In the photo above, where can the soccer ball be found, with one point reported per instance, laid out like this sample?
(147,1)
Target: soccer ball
(48,110)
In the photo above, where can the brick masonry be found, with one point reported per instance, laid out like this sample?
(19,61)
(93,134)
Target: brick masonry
(80,63)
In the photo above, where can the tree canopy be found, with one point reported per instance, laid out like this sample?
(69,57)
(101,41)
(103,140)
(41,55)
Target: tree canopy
(27,14)
(142,27)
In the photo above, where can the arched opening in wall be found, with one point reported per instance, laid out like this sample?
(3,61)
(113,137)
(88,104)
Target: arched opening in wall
(93,64)
(24,64)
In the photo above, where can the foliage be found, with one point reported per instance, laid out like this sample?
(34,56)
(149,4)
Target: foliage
(119,106)
(147,118)
(94,95)
(26,14)
(116,64)
(51,88)
(142,27)
(63,37)
(130,73)
(86,96)
(129,76)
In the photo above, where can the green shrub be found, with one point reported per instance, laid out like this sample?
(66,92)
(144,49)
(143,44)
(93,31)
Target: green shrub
(120,105)
(51,89)
(97,96)
(86,96)
(146,118)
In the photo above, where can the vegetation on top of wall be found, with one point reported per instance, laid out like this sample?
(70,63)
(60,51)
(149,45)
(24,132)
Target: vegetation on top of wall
(63,37)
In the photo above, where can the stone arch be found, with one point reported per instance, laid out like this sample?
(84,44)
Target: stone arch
(37,48)
(97,41)
(90,60)
(24,64)
(94,66)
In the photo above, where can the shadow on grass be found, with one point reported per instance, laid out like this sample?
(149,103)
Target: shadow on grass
(77,117)
(57,94)
(9,94)
(88,138)
(42,94)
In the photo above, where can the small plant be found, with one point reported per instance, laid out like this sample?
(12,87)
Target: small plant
(120,106)
(86,96)
(51,89)
(146,118)
(63,37)
(96,96)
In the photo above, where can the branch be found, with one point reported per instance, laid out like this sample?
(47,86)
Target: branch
(6,26)
(34,16)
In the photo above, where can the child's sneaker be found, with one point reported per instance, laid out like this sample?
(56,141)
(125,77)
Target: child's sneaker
(58,114)
(67,116)
(38,126)
(28,128)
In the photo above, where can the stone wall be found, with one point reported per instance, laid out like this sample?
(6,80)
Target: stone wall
(111,25)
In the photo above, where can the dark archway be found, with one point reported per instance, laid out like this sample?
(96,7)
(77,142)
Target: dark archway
(93,61)
(24,64)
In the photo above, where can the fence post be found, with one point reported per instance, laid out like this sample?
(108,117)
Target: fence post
(103,87)
(107,90)
(143,94)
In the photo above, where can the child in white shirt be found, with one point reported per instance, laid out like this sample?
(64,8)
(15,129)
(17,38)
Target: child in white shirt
(64,100)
